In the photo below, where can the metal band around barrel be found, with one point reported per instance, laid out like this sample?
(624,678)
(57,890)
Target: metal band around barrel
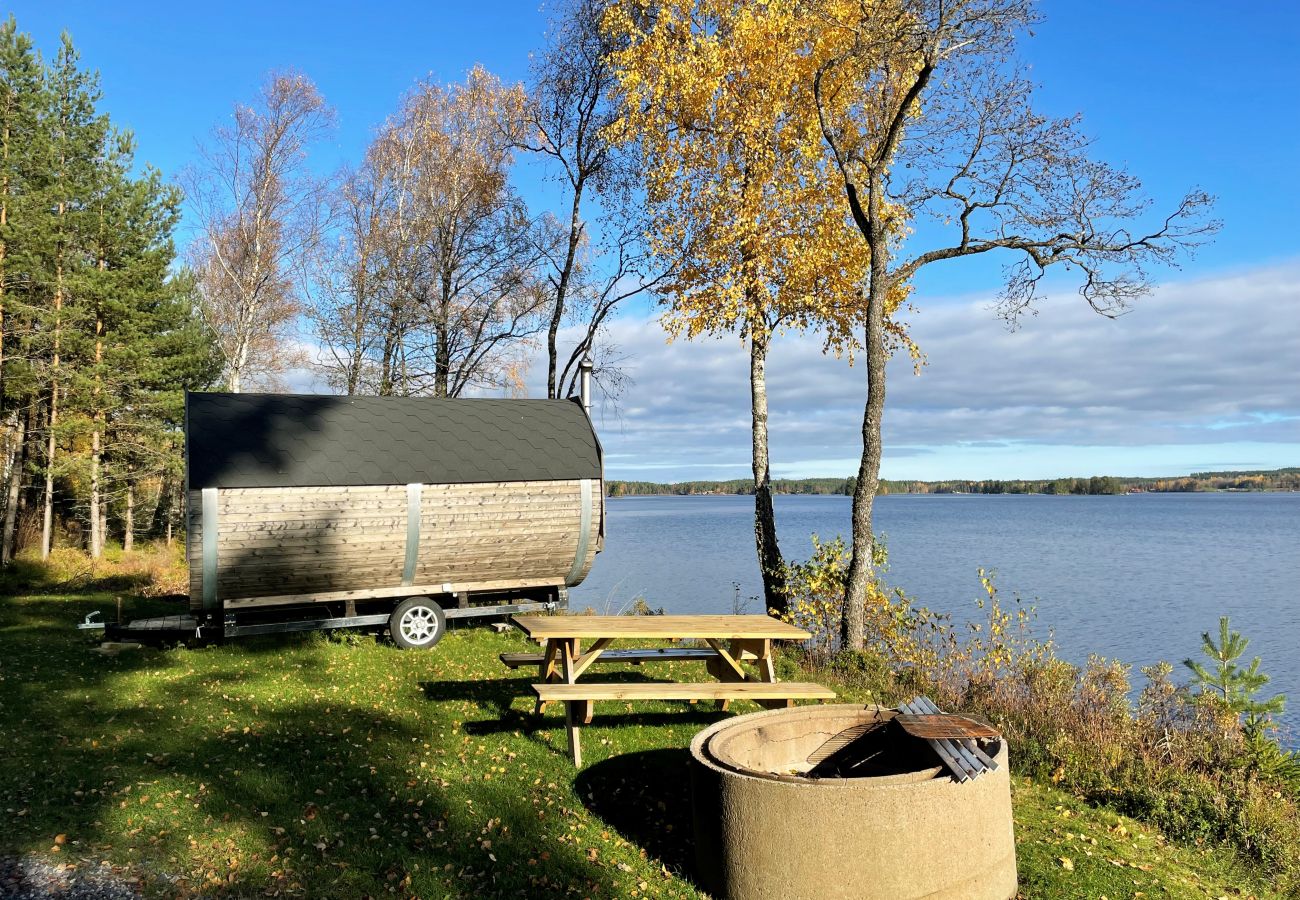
(584,529)
(412,533)
(209,529)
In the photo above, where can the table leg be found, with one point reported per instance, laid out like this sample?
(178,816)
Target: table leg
(766,667)
(762,650)
(727,666)
(571,729)
(570,650)
(547,670)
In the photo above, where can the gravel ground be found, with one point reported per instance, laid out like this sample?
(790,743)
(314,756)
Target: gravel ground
(32,878)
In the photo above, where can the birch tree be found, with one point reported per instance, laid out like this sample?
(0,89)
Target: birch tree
(460,249)
(259,208)
(739,194)
(572,122)
(926,112)
(352,314)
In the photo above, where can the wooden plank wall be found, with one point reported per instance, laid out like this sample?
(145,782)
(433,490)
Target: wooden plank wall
(276,541)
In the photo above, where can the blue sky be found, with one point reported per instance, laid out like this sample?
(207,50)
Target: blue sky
(1184,94)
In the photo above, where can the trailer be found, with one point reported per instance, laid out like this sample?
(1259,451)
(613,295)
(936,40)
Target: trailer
(310,512)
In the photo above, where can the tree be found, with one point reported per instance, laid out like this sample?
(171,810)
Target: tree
(77,135)
(355,314)
(93,329)
(22,105)
(739,194)
(146,346)
(572,121)
(926,114)
(259,209)
(1234,686)
(459,249)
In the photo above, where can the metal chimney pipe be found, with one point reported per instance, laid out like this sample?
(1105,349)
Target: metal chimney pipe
(584,383)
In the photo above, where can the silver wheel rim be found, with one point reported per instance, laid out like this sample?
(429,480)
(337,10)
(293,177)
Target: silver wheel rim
(418,625)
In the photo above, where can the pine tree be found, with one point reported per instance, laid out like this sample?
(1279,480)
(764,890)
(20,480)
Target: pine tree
(77,133)
(1234,686)
(21,145)
(98,338)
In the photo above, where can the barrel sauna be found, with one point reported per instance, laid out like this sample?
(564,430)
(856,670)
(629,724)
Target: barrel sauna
(298,499)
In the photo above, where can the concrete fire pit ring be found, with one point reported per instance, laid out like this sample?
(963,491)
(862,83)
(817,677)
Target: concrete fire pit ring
(767,827)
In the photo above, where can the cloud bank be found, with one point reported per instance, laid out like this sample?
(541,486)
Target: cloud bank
(1202,374)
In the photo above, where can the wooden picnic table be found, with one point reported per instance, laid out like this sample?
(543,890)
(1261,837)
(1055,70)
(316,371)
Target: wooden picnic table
(734,641)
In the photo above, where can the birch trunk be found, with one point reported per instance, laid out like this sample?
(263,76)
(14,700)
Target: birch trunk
(11,498)
(861,564)
(96,451)
(128,536)
(96,537)
(769,552)
(561,293)
(171,514)
(47,514)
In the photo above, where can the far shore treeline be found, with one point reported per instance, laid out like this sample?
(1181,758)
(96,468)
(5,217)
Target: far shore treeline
(1287,479)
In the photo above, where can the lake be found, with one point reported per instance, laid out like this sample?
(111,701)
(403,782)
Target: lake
(1136,577)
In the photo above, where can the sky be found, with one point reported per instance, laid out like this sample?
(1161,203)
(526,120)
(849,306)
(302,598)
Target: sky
(1202,375)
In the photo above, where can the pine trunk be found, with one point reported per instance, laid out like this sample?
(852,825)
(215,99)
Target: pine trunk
(4,222)
(52,420)
(769,552)
(97,530)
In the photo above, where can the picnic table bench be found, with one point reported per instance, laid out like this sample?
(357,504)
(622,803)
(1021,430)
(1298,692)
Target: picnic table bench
(732,642)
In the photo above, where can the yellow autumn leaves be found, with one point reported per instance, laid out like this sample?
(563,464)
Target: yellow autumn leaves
(742,194)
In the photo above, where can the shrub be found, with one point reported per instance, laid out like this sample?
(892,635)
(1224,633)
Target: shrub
(1201,766)
(816,587)
(153,570)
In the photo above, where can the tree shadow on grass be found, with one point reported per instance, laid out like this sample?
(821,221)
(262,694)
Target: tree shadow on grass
(646,796)
(184,779)
(498,694)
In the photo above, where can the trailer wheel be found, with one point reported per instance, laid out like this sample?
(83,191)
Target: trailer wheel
(417,623)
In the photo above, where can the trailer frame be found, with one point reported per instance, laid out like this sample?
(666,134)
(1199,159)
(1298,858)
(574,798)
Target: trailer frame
(224,624)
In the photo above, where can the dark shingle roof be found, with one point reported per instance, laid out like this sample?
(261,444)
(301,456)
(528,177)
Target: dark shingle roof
(277,440)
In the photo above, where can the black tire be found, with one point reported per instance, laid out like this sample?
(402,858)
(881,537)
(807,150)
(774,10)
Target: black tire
(417,623)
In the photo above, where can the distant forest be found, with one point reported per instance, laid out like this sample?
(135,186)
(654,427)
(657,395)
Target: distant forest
(1272,480)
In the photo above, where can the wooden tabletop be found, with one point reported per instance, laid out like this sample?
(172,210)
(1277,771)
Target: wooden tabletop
(541,628)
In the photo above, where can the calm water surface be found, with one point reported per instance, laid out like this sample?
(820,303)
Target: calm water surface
(1135,577)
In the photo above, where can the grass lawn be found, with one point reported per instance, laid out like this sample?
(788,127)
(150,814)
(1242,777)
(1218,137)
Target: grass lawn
(305,766)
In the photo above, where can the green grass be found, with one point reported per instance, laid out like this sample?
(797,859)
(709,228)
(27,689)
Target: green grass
(305,766)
